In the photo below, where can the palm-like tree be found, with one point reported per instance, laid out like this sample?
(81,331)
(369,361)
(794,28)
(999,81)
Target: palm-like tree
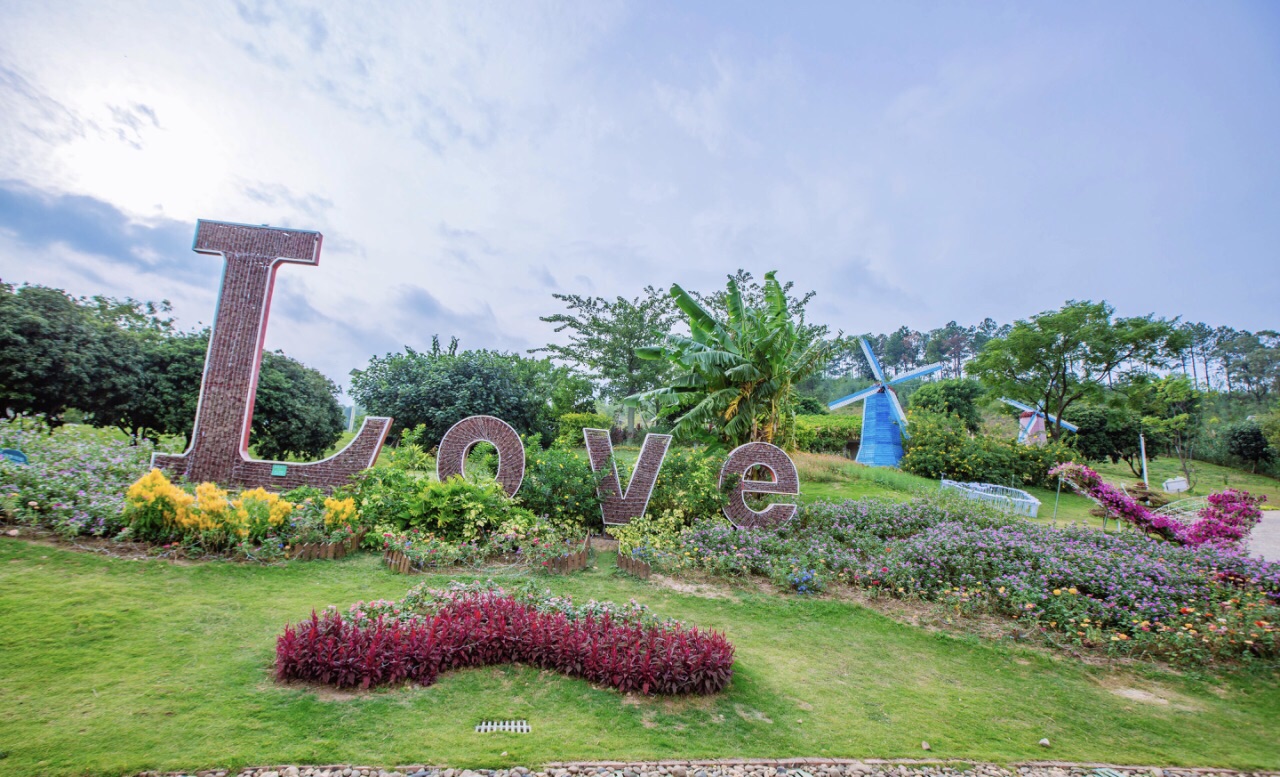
(735,379)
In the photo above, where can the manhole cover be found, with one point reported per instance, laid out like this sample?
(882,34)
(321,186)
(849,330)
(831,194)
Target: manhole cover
(511,726)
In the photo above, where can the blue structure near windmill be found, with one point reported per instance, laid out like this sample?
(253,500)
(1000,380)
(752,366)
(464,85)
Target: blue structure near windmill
(884,424)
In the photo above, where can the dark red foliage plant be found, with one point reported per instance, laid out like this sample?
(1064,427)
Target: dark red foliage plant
(483,628)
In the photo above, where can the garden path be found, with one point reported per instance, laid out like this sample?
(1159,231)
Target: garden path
(1264,540)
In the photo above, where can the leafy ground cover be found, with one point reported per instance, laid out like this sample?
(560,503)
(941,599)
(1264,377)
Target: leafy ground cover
(113,666)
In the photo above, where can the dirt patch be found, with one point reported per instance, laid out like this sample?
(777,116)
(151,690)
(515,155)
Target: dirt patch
(1139,695)
(751,715)
(704,590)
(1134,689)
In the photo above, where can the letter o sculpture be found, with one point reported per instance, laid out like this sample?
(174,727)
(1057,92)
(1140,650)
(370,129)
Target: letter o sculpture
(451,459)
(786,481)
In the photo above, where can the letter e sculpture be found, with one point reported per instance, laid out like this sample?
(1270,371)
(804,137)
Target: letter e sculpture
(785,481)
(219,449)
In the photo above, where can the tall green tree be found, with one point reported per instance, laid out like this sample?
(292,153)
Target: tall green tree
(604,337)
(440,387)
(1247,442)
(296,412)
(735,378)
(1060,357)
(951,397)
(1111,433)
(51,351)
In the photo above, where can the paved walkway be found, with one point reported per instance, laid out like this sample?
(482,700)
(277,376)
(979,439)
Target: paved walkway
(1264,540)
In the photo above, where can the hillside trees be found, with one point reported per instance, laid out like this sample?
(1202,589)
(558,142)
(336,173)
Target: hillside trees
(1057,358)
(604,337)
(122,363)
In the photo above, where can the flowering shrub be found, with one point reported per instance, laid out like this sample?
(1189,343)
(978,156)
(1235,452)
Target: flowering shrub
(1227,519)
(485,627)
(1225,522)
(255,523)
(75,479)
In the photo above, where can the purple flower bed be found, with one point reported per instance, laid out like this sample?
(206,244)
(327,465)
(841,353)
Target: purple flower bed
(1130,593)
(75,480)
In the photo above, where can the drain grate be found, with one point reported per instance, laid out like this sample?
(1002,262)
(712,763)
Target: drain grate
(510,726)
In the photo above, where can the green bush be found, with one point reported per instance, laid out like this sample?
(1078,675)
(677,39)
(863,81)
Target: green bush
(459,509)
(828,433)
(560,485)
(569,433)
(940,447)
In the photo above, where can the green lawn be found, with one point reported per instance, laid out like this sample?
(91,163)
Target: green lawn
(113,666)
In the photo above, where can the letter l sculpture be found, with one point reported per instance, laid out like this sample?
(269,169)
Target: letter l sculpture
(219,448)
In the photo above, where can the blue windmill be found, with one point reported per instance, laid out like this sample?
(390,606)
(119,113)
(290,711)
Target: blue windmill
(1031,429)
(884,425)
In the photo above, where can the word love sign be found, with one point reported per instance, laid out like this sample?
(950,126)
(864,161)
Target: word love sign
(619,506)
(219,449)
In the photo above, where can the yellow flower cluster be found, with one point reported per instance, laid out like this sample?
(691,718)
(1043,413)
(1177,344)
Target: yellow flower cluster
(340,512)
(162,505)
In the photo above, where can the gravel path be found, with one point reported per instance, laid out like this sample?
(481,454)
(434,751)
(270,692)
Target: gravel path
(1265,539)
(796,767)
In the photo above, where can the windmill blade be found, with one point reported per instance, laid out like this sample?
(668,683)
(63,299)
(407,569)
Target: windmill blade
(849,400)
(1070,427)
(1019,405)
(897,411)
(871,357)
(918,372)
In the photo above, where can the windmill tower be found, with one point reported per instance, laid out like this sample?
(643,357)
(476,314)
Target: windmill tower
(1031,421)
(884,424)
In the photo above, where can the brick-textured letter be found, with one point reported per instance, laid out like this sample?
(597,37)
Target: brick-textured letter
(785,481)
(470,432)
(617,508)
(219,449)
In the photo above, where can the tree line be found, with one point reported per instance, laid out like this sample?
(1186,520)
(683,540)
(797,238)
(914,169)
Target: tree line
(123,364)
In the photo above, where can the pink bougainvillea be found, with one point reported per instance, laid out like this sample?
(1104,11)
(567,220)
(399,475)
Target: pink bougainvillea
(1225,522)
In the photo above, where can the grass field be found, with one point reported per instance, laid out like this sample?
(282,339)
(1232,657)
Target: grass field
(111,666)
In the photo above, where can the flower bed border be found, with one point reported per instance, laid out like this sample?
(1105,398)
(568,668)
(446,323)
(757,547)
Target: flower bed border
(398,562)
(327,550)
(634,566)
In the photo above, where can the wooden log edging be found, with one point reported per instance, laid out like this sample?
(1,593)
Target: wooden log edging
(570,563)
(634,566)
(327,550)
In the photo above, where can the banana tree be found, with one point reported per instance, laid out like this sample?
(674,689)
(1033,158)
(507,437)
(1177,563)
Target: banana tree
(735,379)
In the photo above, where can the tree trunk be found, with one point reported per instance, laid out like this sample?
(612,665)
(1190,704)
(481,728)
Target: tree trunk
(631,419)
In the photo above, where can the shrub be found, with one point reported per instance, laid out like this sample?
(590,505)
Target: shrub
(483,628)
(569,430)
(560,485)
(75,480)
(940,447)
(459,510)
(828,433)
(689,482)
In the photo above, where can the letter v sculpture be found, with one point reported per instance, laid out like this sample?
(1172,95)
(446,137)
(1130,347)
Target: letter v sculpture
(219,447)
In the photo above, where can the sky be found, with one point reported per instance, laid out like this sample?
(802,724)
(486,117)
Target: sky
(913,163)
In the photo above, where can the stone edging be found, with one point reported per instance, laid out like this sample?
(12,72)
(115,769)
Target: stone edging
(795,767)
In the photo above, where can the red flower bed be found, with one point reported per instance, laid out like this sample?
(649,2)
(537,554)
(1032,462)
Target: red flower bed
(489,628)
